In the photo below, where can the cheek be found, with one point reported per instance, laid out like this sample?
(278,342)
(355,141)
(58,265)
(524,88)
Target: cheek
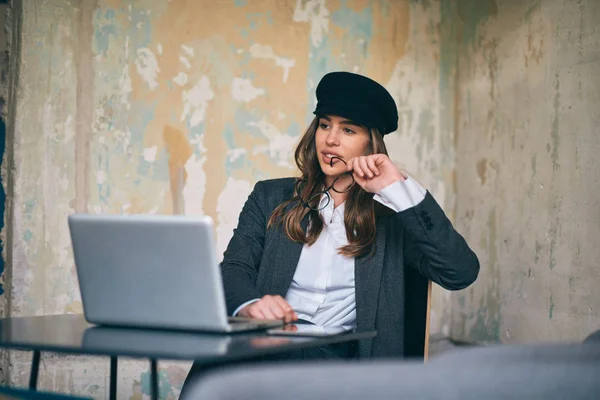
(320,137)
(362,147)
(367,149)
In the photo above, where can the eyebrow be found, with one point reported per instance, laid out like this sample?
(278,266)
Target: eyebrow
(344,122)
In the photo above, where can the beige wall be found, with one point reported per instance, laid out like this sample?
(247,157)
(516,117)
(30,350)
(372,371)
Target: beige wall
(528,172)
(112,98)
(498,103)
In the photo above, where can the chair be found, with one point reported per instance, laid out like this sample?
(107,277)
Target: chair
(417,310)
(534,371)
(427,322)
(593,337)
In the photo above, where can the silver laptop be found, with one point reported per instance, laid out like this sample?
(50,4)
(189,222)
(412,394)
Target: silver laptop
(152,271)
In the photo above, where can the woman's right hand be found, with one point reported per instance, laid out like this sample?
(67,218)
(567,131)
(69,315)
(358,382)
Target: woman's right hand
(269,307)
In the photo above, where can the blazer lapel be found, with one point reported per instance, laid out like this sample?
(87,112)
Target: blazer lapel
(367,275)
(285,260)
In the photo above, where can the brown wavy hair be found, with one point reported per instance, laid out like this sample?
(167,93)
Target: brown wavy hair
(360,210)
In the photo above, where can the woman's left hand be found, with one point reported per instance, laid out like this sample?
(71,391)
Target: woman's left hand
(374,172)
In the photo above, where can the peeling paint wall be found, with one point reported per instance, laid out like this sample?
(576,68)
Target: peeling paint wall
(4,367)
(528,173)
(116,101)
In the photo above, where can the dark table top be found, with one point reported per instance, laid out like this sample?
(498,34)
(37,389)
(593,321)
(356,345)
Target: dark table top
(72,334)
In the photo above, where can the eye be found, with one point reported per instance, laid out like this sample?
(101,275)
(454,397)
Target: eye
(349,131)
(323,125)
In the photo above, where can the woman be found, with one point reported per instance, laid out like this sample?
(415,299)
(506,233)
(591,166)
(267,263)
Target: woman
(353,241)
(350,243)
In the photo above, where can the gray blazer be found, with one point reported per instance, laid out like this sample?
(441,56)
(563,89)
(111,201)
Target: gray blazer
(412,246)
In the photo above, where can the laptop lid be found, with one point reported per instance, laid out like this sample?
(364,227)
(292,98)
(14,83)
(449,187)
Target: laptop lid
(148,271)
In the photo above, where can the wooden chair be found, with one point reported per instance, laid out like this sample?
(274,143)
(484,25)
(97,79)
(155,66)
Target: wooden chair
(417,312)
(427,321)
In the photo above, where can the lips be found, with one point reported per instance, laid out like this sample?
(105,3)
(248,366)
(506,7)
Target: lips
(327,156)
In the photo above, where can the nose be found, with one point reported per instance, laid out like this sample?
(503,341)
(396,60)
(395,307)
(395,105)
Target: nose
(332,138)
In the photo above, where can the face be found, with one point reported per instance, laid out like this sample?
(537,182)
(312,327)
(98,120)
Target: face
(337,136)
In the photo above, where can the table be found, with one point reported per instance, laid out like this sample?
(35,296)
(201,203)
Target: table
(72,334)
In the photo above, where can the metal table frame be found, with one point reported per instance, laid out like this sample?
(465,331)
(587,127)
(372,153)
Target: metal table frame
(35,368)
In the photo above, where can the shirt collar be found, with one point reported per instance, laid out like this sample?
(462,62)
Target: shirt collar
(329,212)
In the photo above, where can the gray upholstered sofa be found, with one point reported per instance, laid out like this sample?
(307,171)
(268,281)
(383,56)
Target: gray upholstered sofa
(535,371)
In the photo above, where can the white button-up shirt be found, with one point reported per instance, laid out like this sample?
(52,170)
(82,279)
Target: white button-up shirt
(322,289)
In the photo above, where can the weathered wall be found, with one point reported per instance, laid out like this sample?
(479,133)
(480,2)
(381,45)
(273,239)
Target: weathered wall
(113,98)
(3,176)
(528,172)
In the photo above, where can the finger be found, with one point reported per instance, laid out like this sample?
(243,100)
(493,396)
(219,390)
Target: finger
(264,306)
(266,311)
(255,312)
(356,168)
(382,159)
(362,167)
(276,309)
(365,167)
(372,166)
(284,308)
(349,164)
(290,315)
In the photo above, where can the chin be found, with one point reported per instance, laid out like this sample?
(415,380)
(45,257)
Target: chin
(329,171)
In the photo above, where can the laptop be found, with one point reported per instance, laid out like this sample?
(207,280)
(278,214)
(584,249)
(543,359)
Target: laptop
(152,271)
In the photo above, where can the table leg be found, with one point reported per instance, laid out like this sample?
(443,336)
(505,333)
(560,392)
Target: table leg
(35,367)
(154,382)
(113,378)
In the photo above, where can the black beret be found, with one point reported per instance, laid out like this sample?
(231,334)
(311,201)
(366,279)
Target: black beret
(358,98)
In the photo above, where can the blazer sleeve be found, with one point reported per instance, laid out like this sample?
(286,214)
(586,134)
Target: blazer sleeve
(435,248)
(241,259)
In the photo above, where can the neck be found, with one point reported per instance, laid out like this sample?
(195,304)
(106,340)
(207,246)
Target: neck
(343,182)
(338,198)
